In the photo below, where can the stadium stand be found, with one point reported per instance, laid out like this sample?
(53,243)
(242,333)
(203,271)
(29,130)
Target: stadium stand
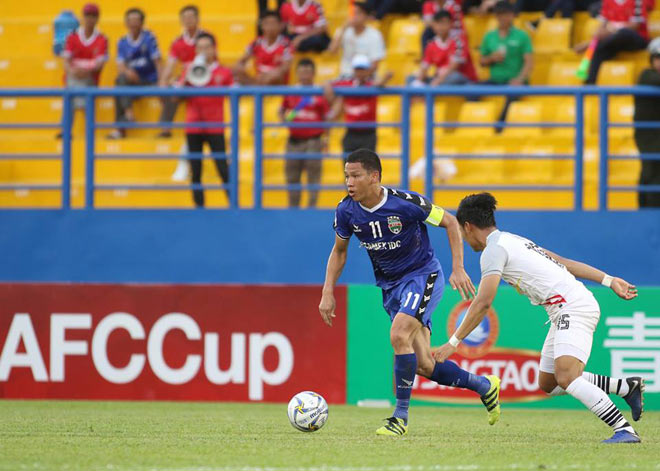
(30,63)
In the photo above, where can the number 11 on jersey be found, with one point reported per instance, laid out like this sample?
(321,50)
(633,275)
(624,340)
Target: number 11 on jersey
(375,226)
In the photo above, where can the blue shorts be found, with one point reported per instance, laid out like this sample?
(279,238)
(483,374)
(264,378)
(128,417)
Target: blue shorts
(417,297)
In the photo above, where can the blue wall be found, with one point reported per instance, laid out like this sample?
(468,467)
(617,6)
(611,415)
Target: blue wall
(278,246)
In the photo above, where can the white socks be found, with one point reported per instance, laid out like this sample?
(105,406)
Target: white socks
(618,386)
(609,385)
(596,400)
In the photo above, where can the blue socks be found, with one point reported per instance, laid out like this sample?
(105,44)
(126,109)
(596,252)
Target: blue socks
(450,374)
(405,367)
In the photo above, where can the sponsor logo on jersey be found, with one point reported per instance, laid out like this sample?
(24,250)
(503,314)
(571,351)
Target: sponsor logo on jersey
(518,368)
(394,224)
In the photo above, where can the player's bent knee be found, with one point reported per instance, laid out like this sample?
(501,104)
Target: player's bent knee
(564,377)
(399,339)
(547,382)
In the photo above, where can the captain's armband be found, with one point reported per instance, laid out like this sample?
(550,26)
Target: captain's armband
(435,216)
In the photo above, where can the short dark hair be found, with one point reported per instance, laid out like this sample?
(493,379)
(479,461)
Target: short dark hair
(306,62)
(208,36)
(503,6)
(441,15)
(478,209)
(269,13)
(364,6)
(369,160)
(192,8)
(136,11)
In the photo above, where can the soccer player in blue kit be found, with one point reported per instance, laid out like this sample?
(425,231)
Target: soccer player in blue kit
(390,225)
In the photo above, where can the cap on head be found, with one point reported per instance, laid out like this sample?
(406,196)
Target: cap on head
(91,9)
(654,47)
(503,6)
(360,61)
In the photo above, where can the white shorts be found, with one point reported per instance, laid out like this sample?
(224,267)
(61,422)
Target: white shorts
(572,335)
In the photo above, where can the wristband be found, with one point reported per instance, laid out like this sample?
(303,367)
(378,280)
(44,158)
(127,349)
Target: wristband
(607,281)
(453,341)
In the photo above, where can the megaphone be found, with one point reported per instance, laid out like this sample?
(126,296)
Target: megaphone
(199,73)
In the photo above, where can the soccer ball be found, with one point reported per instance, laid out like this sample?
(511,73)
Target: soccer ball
(308,411)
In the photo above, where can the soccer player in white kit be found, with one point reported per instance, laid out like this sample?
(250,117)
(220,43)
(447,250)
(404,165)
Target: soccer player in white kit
(550,281)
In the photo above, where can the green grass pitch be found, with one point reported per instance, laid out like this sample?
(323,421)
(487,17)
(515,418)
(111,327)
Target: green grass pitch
(155,436)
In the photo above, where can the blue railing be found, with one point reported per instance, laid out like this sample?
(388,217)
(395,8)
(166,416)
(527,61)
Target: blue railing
(259,93)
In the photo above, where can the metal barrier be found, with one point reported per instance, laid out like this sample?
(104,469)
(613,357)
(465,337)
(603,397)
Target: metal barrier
(234,95)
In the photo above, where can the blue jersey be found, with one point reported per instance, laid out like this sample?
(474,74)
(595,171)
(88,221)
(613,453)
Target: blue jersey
(140,55)
(394,234)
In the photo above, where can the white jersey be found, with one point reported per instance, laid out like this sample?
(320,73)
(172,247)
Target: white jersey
(533,273)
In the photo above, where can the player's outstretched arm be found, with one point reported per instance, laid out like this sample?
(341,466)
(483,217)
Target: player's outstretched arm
(336,263)
(476,313)
(459,279)
(621,287)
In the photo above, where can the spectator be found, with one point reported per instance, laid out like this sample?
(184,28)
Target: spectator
(306,25)
(647,108)
(138,63)
(507,50)
(206,109)
(357,108)
(623,28)
(429,10)
(385,7)
(270,52)
(304,109)
(355,37)
(182,52)
(85,53)
(448,54)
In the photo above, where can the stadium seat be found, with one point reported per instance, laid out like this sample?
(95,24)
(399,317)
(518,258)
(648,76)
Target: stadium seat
(404,37)
(497,100)
(616,73)
(553,35)
(587,31)
(620,110)
(479,170)
(654,23)
(530,171)
(563,111)
(563,74)
(326,70)
(523,112)
(475,27)
(402,66)
(624,172)
(476,112)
